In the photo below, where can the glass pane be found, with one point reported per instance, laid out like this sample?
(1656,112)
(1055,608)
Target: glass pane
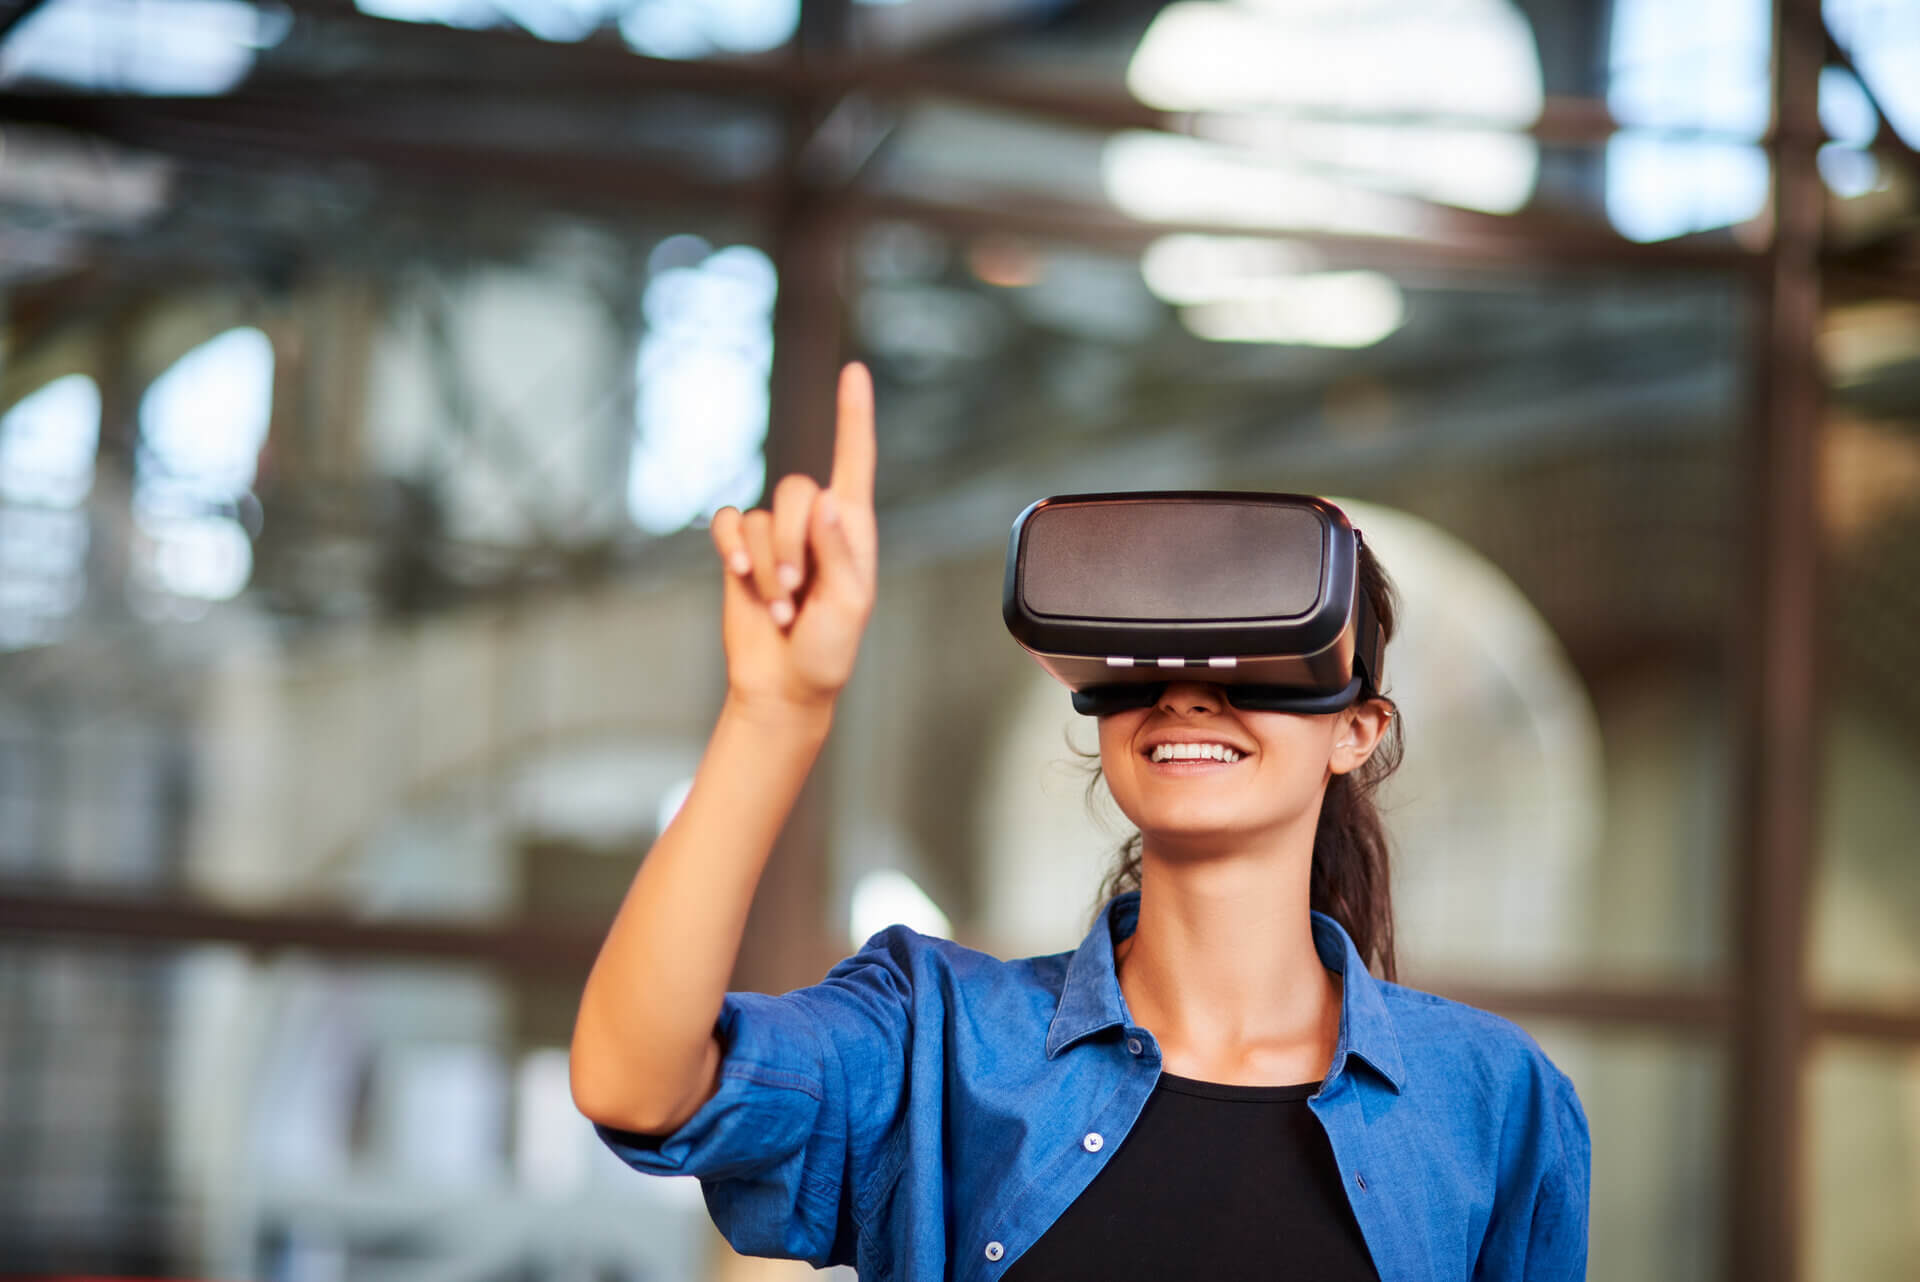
(1864,1150)
(1654,1108)
(1866,906)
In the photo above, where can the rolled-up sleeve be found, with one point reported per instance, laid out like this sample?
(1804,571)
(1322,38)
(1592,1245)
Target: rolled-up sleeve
(1538,1232)
(811,1082)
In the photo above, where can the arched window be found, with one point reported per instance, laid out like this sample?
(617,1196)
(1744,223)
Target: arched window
(47,446)
(141,46)
(702,372)
(202,425)
(1674,67)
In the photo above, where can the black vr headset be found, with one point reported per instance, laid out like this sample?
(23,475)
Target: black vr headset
(1120,595)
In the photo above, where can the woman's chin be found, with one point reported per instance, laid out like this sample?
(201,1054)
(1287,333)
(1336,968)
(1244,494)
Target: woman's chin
(1198,834)
(1194,828)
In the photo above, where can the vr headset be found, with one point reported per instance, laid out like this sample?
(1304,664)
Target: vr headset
(1120,595)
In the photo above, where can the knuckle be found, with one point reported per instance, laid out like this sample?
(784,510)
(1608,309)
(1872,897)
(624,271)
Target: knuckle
(793,485)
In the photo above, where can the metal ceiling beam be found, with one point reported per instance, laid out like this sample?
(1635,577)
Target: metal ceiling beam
(28,914)
(1041,219)
(244,133)
(439,59)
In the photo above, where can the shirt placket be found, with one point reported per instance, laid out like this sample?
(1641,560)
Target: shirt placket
(1390,1215)
(1081,1145)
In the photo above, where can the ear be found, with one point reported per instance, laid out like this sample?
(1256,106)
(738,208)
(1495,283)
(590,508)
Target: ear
(1358,730)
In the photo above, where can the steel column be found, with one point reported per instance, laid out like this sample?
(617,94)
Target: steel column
(1779,733)
(787,941)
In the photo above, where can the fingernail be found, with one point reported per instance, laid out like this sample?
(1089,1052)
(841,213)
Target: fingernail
(789,577)
(741,563)
(829,510)
(782,612)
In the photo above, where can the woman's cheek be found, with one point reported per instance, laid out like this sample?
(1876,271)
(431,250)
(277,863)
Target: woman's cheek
(1121,786)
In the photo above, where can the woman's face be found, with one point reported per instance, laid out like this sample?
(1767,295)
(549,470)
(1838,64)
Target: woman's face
(1193,770)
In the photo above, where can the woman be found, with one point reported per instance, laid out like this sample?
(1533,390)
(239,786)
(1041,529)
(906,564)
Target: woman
(1212,1084)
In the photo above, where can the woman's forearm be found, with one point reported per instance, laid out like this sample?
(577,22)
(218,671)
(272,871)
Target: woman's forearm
(644,1057)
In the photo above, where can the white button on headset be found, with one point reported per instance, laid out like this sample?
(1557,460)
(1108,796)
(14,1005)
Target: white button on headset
(1133,1046)
(1093,1142)
(995,1250)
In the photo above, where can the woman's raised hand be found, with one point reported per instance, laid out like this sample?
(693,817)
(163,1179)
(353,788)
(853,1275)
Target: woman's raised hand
(800,572)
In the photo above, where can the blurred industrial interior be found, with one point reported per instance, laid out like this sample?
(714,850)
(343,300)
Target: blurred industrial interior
(369,370)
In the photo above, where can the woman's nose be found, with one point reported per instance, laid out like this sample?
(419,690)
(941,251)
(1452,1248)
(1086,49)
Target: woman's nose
(1191,696)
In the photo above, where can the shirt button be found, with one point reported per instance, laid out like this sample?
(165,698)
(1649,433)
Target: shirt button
(1361,1180)
(1133,1046)
(1093,1142)
(995,1250)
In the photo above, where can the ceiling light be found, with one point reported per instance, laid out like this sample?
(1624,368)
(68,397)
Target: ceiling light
(1327,309)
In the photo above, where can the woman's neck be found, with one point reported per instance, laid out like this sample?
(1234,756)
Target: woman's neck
(1223,971)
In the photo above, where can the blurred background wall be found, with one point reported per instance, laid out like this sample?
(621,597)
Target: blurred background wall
(368,371)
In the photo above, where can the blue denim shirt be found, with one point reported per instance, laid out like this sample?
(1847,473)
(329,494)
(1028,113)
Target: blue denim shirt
(927,1111)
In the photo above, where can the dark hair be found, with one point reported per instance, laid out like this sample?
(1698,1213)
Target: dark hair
(1349,879)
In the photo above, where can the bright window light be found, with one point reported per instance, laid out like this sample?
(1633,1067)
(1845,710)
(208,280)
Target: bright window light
(1848,117)
(1486,169)
(1845,113)
(1325,309)
(1161,178)
(1848,171)
(1284,84)
(657,28)
(1883,40)
(47,444)
(1200,269)
(43,560)
(1235,289)
(1471,59)
(203,421)
(558,20)
(696,28)
(208,558)
(887,897)
(702,372)
(471,15)
(1695,66)
(202,425)
(161,47)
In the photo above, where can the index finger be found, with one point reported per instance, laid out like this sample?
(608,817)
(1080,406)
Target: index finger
(853,446)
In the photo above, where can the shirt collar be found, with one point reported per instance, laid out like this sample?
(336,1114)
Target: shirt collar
(1090,1000)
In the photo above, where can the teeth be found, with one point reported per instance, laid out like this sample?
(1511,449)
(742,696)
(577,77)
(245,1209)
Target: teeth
(1194,752)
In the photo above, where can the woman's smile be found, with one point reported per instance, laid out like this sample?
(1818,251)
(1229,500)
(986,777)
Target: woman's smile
(1185,757)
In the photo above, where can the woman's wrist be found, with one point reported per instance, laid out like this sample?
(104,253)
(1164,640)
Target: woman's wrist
(799,719)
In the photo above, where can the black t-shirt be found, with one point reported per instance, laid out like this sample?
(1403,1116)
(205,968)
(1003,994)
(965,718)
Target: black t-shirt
(1216,1182)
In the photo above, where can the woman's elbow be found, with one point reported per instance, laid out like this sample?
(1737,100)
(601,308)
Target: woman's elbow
(623,1101)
